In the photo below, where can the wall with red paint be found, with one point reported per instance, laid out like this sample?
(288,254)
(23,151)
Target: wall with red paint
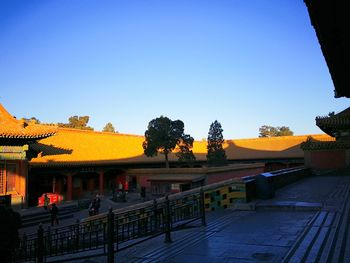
(326,159)
(217,177)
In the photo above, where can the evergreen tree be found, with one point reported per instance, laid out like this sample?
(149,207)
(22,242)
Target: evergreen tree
(216,155)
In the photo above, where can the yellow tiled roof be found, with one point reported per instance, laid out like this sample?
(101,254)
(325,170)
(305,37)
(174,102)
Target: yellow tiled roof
(19,129)
(71,146)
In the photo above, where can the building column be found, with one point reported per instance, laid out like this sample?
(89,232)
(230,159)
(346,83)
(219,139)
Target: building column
(69,187)
(101,178)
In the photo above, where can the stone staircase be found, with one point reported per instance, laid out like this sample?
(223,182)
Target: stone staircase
(326,239)
(43,216)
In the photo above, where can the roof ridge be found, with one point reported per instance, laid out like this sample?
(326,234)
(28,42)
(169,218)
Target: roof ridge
(6,116)
(98,132)
(278,137)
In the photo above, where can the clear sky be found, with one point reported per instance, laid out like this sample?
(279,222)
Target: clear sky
(245,63)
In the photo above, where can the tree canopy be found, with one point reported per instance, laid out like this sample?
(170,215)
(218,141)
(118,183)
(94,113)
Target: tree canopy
(216,155)
(185,154)
(163,135)
(77,122)
(31,120)
(109,128)
(270,131)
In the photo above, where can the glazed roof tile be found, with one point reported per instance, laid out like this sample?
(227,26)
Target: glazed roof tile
(10,127)
(332,123)
(81,147)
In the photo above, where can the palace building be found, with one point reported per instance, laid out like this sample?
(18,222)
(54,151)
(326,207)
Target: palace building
(329,19)
(332,153)
(37,159)
(16,138)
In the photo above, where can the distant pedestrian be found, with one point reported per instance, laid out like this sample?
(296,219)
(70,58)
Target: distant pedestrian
(126,186)
(54,214)
(120,187)
(46,201)
(143,193)
(92,207)
(98,204)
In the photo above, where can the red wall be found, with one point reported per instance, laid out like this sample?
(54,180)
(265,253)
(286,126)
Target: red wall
(217,177)
(142,181)
(327,159)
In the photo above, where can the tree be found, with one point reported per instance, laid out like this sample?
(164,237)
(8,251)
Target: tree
(269,131)
(77,122)
(185,153)
(31,120)
(162,135)
(216,155)
(109,128)
(284,131)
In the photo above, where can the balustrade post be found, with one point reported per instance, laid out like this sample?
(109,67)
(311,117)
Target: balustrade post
(77,234)
(40,244)
(155,213)
(167,221)
(49,240)
(24,245)
(202,207)
(117,231)
(110,237)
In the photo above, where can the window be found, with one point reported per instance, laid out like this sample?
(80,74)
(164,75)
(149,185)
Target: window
(11,177)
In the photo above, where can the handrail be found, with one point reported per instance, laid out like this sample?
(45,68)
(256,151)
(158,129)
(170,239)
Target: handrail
(147,221)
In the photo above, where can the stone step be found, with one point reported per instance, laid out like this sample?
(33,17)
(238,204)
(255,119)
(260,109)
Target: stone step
(43,216)
(287,206)
(311,235)
(326,238)
(337,252)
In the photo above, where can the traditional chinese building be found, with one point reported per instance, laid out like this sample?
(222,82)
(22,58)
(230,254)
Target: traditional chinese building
(16,137)
(78,163)
(332,153)
(330,21)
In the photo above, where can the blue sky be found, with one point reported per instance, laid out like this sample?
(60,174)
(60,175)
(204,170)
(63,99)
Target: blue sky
(245,63)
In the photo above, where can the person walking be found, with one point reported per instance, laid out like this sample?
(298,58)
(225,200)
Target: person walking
(98,204)
(54,214)
(92,207)
(46,201)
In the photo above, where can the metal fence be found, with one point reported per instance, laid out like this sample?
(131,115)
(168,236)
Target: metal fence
(114,231)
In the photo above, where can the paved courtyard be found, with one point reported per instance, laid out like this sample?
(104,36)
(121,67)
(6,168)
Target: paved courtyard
(291,227)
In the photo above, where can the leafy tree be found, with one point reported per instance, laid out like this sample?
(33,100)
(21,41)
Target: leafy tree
(284,131)
(162,135)
(77,122)
(269,131)
(109,128)
(31,120)
(185,153)
(216,155)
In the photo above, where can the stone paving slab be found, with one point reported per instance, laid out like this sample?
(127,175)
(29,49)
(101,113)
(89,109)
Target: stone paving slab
(249,236)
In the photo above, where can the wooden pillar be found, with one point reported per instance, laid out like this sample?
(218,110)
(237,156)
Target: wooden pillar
(59,187)
(101,186)
(69,187)
(25,183)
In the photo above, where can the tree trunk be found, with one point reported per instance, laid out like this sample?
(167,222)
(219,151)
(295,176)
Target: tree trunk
(166,160)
